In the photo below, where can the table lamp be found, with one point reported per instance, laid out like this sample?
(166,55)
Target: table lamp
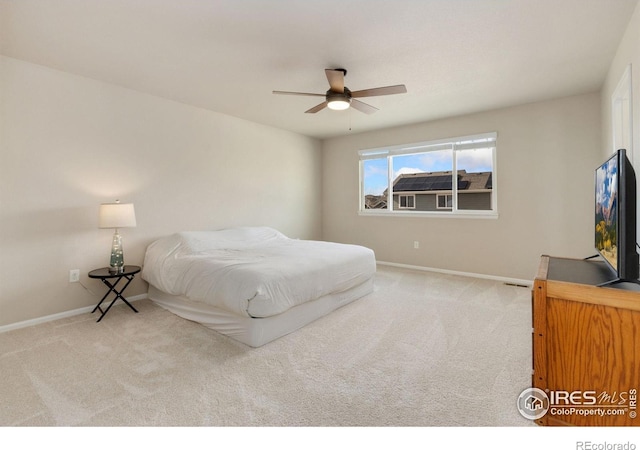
(117,215)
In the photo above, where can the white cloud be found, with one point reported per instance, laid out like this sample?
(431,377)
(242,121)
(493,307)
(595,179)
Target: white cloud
(405,170)
(480,160)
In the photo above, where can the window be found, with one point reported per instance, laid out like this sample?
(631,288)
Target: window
(375,172)
(449,177)
(407,201)
(445,201)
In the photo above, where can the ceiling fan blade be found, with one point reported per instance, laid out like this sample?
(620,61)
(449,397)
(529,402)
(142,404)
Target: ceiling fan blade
(317,108)
(387,90)
(298,93)
(363,107)
(336,79)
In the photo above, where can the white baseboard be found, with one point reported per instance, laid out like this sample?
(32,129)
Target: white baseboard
(62,315)
(515,281)
(87,309)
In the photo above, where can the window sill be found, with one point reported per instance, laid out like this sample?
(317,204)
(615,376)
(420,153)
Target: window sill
(438,215)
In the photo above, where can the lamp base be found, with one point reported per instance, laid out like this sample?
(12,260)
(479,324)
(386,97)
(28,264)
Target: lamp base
(116,263)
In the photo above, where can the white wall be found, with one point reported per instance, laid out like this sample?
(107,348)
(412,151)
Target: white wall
(628,53)
(69,143)
(546,156)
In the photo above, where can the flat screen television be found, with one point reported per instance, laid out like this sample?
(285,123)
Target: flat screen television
(615,217)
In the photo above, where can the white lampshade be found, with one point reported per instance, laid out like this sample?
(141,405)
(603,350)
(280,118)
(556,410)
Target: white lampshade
(117,215)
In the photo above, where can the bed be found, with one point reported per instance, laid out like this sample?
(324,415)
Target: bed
(254,284)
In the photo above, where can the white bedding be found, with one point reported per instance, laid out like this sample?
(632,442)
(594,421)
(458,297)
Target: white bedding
(259,331)
(254,271)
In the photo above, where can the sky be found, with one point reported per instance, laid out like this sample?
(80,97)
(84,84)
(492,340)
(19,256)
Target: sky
(376,170)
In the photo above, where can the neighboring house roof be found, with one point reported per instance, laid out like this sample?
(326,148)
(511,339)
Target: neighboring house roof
(441,181)
(375,202)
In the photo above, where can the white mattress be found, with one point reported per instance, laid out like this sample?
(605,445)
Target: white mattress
(254,271)
(256,332)
(254,284)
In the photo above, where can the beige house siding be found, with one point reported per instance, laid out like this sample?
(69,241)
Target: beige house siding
(474,190)
(425,202)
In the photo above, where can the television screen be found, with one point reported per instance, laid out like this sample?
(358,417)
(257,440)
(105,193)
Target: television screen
(606,226)
(615,218)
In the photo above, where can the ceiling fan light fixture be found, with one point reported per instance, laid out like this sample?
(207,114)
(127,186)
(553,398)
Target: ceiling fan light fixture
(338,104)
(339,101)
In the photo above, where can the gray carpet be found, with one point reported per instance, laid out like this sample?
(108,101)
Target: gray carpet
(424,349)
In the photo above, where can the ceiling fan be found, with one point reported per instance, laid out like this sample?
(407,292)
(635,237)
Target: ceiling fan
(339,97)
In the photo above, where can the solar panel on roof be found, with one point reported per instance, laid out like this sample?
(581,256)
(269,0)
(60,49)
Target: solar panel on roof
(441,183)
(433,183)
(426,183)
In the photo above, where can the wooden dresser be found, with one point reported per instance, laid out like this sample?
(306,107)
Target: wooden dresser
(586,344)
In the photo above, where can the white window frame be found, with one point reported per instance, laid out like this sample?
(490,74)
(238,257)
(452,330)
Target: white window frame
(483,140)
(448,201)
(407,196)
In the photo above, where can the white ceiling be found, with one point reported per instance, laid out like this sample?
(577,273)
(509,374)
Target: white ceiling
(454,56)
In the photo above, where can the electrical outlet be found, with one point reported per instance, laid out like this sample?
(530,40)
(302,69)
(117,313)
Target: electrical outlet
(74,275)
(416,244)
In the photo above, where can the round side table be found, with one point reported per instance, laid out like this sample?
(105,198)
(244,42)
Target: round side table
(111,280)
